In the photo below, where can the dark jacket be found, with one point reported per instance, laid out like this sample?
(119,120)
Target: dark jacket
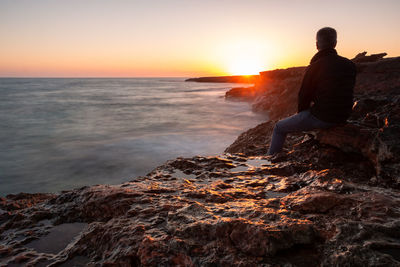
(327,87)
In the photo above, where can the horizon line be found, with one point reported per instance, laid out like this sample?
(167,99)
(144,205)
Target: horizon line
(116,77)
(87,77)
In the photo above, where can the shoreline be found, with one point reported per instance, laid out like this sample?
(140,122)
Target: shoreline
(68,143)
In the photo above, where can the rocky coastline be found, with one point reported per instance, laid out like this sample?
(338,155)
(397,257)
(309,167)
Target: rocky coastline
(332,198)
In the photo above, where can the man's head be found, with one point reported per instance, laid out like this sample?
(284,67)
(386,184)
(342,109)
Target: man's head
(326,38)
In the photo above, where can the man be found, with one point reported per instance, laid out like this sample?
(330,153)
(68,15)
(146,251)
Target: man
(326,94)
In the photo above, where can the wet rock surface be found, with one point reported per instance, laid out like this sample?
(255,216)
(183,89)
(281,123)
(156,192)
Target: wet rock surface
(331,198)
(316,205)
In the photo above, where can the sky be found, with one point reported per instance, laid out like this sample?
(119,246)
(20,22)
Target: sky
(183,38)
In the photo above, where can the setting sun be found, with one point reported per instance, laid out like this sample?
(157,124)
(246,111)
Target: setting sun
(245,57)
(245,66)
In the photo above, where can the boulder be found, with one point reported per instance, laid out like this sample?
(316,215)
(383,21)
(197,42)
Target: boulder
(242,93)
(362,57)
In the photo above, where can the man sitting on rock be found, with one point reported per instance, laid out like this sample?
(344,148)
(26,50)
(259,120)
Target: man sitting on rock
(326,94)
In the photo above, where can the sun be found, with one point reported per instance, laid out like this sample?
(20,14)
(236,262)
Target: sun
(244,57)
(245,66)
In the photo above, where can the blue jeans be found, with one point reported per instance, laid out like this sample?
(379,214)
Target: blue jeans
(303,121)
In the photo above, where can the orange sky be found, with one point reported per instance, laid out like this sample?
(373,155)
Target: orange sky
(121,38)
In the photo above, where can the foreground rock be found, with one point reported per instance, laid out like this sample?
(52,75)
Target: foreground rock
(217,211)
(372,132)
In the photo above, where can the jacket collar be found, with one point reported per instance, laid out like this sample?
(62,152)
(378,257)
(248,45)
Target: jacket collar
(323,53)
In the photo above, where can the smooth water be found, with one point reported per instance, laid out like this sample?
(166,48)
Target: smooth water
(59,134)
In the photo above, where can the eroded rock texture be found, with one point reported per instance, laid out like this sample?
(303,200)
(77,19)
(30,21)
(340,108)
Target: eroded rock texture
(330,199)
(299,209)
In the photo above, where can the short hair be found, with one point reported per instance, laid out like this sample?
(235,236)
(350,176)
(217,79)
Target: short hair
(326,37)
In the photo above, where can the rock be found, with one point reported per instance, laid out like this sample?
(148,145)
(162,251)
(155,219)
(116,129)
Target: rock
(282,74)
(217,215)
(382,75)
(373,130)
(280,89)
(253,141)
(242,93)
(362,57)
(320,202)
(22,200)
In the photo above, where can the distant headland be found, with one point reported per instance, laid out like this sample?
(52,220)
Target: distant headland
(226,79)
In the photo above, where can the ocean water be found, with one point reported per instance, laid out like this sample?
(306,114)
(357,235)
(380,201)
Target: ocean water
(60,134)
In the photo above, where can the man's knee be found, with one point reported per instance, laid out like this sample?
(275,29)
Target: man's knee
(278,127)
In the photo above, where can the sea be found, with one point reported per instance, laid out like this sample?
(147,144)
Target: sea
(63,133)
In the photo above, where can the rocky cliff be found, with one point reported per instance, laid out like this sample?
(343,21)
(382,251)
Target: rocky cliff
(275,92)
(330,199)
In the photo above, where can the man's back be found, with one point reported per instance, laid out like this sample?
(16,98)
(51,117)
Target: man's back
(328,83)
